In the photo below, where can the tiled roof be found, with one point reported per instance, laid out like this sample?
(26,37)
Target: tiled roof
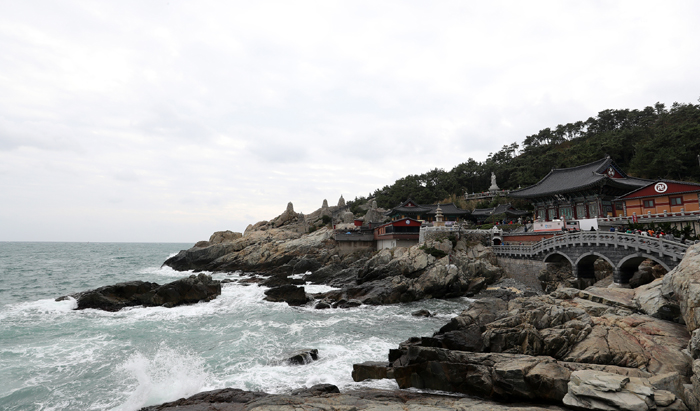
(500,209)
(567,180)
(429,209)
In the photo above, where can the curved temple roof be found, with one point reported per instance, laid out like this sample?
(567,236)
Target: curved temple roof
(427,209)
(567,180)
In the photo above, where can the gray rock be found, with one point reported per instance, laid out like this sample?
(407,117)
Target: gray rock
(315,390)
(595,390)
(686,286)
(187,290)
(651,300)
(301,357)
(224,237)
(371,370)
(421,313)
(289,294)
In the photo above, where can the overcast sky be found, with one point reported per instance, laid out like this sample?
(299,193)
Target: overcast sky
(164,121)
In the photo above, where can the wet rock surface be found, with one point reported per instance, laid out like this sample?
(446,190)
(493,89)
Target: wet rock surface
(370,277)
(322,397)
(301,357)
(289,294)
(598,348)
(189,290)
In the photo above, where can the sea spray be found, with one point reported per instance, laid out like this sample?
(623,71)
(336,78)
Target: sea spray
(166,374)
(55,358)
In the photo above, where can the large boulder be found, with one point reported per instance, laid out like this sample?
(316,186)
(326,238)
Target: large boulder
(286,217)
(685,283)
(595,390)
(373,214)
(224,237)
(199,257)
(290,294)
(654,301)
(188,290)
(491,375)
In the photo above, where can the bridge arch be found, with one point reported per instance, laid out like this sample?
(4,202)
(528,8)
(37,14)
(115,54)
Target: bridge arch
(557,257)
(627,266)
(585,264)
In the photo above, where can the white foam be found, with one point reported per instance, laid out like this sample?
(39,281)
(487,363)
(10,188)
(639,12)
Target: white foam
(165,271)
(168,375)
(38,308)
(318,288)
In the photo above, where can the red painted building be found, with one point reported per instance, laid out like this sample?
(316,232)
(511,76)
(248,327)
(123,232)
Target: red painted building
(398,233)
(662,196)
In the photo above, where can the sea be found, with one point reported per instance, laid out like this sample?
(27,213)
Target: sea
(53,357)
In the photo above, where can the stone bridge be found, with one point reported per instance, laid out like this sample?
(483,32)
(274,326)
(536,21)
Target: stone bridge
(623,251)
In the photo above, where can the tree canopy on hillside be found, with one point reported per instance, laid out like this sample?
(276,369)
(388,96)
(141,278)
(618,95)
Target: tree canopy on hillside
(656,142)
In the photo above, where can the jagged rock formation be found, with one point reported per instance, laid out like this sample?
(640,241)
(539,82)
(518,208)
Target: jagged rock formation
(385,277)
(328,397)
(219,237)
(341,202)
(373,214)
(598,348)
(188,290)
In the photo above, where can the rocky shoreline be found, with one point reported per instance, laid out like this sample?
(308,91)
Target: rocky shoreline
(327,397)
(594,348)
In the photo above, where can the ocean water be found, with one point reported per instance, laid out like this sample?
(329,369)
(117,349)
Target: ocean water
(55,358)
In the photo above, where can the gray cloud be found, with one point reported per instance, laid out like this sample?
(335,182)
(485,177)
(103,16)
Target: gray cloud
(166,121)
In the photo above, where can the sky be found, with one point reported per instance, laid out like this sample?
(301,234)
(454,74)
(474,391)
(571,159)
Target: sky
(165,121)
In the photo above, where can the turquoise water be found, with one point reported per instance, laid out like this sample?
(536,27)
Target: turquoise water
(55,358)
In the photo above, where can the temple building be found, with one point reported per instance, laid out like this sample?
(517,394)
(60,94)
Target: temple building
(510,213)
(398,233)
(581,192)
(662,196)
(411,209)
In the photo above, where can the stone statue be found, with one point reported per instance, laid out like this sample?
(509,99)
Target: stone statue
(494,186)
(341,201)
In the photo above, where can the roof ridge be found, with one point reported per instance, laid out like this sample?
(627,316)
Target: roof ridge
(602,161)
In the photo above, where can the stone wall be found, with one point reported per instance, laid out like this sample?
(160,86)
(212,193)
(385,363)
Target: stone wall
(522,270)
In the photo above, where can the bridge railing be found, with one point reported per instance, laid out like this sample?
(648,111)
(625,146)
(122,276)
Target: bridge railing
(651,245)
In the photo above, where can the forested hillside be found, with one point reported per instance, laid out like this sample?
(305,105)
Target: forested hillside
(655,142)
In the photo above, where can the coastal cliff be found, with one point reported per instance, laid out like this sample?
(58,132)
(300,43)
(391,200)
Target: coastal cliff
(441,268)
(596,348)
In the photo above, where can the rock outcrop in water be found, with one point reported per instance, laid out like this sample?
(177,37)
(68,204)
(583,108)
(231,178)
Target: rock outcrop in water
(190,290)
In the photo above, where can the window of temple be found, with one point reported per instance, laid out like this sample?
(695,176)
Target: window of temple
(676,201)
(566,212)
(593,209)
(648,203)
